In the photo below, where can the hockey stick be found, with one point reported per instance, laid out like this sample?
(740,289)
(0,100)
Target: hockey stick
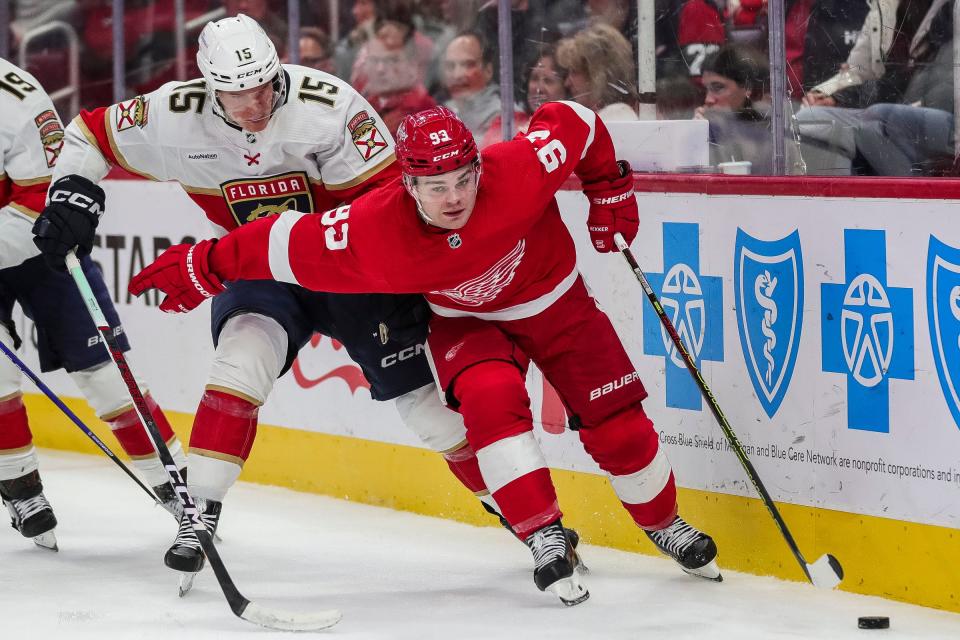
(243,608)
(826,572)
(73,417)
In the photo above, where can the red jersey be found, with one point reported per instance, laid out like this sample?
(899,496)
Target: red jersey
(512,259)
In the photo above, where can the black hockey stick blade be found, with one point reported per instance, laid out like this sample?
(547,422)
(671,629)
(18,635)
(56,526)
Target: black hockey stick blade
(826,572)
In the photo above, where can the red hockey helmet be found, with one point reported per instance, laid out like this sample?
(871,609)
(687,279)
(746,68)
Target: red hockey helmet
(434,141)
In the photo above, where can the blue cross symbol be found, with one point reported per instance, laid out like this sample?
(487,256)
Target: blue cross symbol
(694,304)
(867,330)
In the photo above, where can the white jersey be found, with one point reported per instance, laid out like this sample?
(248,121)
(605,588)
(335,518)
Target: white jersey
(31,136)
(323,147)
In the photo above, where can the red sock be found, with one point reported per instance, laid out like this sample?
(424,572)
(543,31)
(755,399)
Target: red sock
(225,425)
(14,428)
(463,463)
(132,436)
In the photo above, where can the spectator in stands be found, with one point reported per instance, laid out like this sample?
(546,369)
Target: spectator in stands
(393,77)
(916,70)
(736,79)
(880,63)
(601,73)
(917,136)
(394,26)
(678,98)
(687,32)
(259,10)
(619,14)
(430,21)
(532,28)
(460,14)
(316,50)
(364,12)
(468,80)
(818,38)
(544,80)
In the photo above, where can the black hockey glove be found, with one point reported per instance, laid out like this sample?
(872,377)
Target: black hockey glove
(407,323)
(70,220)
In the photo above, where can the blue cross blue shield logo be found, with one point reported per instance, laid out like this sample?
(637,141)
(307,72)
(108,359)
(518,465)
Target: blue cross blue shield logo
(694,304)
(943,315)
(768,287)
(867,330)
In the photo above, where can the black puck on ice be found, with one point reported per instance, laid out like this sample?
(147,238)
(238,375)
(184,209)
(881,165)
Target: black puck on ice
(873,622)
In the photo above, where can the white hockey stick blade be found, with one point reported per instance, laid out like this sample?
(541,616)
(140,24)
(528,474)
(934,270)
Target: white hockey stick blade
(825,573)
(288,620)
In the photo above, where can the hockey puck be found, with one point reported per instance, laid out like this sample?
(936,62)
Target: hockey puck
(873,622)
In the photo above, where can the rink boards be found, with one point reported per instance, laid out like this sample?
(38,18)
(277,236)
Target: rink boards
(828,327)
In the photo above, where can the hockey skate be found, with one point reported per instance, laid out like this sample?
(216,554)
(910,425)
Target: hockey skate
(171,503)
(556,564)
(30,513)
(693,550)
(168,498)
(186,554)
(572,535)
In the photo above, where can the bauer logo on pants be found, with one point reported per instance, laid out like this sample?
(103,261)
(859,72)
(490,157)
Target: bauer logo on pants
(768,287)
(694,304)
(867,330)
(943,315)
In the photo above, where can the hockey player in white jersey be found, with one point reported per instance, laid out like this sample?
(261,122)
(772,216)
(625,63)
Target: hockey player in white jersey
(31,137)
(256,138)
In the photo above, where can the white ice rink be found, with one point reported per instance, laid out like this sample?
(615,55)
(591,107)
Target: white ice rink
(392,574)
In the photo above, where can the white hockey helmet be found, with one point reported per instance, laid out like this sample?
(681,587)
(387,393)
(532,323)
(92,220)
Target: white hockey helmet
(236,54)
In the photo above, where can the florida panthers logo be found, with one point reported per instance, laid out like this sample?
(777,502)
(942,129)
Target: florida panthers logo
(943,315)
(682,299)
(867,330)
(490,283)
(768,286)
(250,199)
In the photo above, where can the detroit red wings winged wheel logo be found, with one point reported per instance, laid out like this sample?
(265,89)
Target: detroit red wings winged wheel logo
(490,283)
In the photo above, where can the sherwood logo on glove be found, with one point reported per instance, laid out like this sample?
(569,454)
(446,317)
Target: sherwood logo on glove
(613,199)
(77,200)
(193,275)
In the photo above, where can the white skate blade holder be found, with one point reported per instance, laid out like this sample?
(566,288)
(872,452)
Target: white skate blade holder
(47,541)
(569,590)
(709,571)
(826,572)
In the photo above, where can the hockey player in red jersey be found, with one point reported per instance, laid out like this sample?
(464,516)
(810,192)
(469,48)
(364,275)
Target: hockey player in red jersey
(484,241)
(253,138)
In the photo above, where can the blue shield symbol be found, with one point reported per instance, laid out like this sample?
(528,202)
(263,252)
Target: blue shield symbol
(943,314)
(768,288)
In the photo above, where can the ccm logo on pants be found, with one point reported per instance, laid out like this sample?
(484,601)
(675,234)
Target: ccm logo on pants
(400,356)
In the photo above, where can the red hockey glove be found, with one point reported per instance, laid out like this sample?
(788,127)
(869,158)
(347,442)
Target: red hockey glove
(183,273)
(613,209)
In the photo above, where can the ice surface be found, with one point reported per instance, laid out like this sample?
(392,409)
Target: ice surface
(393,574)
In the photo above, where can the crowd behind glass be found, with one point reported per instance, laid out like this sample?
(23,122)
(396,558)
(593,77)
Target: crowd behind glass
(870,82)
